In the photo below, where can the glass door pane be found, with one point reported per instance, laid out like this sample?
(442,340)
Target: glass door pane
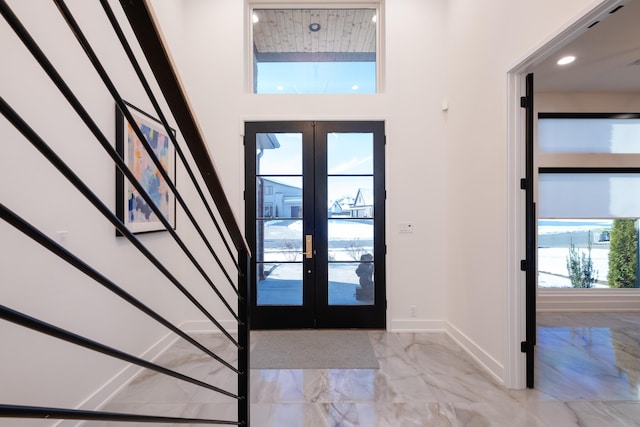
(350,219)
(279,222)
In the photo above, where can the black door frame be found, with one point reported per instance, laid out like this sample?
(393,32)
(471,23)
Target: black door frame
(529,264)
(315,311)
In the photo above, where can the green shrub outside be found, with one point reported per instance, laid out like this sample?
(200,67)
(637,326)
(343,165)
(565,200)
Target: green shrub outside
(623,254)
(580,266)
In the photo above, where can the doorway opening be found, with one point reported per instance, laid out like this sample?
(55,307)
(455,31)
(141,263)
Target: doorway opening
(583,28)
(315,196)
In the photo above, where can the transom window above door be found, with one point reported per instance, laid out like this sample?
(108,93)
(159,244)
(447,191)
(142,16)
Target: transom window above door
(315,51)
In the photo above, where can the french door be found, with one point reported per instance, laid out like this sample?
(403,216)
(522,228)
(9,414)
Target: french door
(314,194)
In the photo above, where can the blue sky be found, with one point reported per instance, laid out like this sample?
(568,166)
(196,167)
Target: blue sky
(316,77)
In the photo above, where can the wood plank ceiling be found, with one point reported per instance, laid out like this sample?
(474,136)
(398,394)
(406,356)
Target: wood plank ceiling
(285,31)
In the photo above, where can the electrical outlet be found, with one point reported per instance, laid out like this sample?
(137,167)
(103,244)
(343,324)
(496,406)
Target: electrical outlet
(412,311)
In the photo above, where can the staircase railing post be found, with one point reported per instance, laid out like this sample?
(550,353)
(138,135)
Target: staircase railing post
(244,330)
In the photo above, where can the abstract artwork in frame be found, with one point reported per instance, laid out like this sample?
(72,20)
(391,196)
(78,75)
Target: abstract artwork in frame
(131,208)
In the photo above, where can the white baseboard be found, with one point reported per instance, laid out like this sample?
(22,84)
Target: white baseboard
(491,365)
(588,300)
(488,363)
(417,325)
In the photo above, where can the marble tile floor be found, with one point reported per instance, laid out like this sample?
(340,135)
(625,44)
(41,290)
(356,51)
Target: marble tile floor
(423,380)
(589,356)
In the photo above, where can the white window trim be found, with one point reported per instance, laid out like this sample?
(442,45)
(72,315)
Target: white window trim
(592,300)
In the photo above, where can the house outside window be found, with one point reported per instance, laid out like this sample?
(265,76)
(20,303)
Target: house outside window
(268,210)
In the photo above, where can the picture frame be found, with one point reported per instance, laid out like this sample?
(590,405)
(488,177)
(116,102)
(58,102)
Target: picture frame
(131,208)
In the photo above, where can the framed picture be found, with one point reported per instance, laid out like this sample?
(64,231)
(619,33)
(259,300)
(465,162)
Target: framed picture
(131,208)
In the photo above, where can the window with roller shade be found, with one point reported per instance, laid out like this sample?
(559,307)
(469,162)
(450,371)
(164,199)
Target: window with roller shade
(588,216)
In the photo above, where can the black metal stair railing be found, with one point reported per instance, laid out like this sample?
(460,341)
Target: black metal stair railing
(140,19)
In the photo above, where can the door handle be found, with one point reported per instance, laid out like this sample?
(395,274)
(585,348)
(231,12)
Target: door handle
(308,251)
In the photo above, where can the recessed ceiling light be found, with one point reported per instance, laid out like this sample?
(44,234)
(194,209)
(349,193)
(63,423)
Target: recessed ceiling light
(375,18)
(566,60)
(255,18)
(314,26)
(280,87)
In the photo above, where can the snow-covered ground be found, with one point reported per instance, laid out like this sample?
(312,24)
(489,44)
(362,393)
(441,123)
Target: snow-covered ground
(349,239)
(552,260)
(340,229)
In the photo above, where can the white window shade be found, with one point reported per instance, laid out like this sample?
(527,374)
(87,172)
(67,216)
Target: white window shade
(589,195)
(589,135)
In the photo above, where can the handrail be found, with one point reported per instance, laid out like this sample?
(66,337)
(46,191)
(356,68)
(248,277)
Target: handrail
(145,26)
